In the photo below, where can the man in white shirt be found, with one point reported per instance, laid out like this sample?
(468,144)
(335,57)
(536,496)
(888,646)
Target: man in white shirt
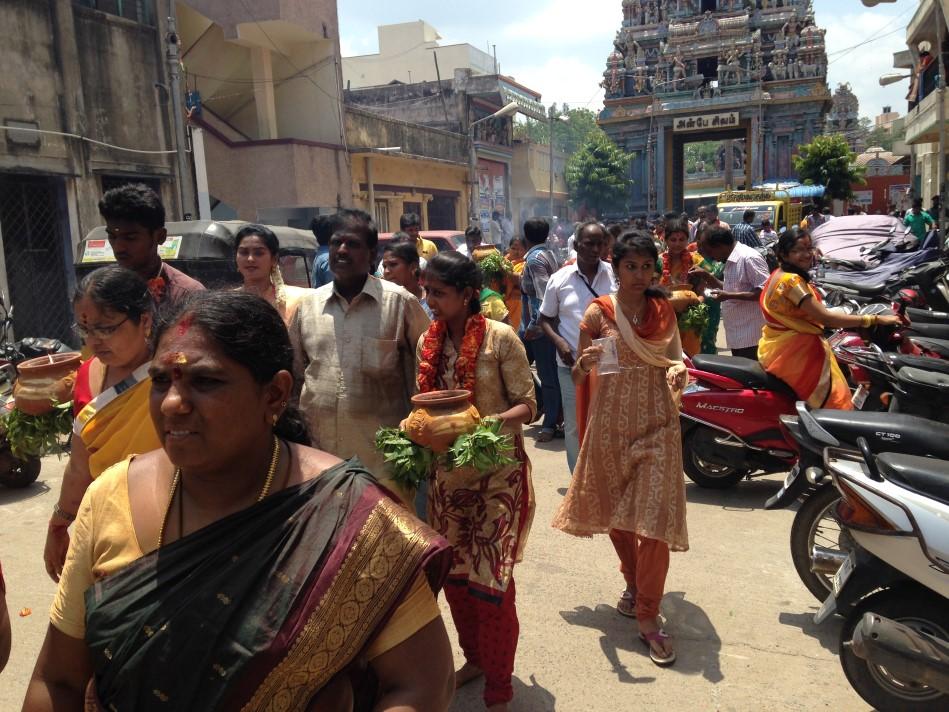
(569,292)
(745,274)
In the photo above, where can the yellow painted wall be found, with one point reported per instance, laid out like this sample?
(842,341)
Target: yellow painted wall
(412,176)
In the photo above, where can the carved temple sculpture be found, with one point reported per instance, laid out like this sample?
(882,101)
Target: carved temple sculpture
(763,59)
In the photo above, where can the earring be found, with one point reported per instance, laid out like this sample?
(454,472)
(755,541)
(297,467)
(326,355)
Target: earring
(284,404)
(275,418)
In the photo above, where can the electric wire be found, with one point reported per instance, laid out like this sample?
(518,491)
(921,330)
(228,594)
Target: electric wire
(86,139)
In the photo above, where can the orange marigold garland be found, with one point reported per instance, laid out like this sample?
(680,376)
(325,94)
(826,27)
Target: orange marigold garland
(433,345)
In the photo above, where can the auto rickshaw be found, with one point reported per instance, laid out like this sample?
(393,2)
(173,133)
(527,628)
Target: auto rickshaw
(204,250)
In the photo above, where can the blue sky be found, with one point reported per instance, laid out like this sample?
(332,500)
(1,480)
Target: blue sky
(559,47)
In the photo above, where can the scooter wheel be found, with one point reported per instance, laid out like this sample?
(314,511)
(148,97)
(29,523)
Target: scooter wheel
(703,473)
(814,524)
(16,473)
(912,606)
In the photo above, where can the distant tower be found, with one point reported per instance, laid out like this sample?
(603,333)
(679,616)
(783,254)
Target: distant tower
(844,118)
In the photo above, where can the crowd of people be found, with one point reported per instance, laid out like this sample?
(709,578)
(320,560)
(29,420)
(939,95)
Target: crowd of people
(227,531)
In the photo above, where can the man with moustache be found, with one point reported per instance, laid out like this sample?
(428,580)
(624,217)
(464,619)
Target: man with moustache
(354,341)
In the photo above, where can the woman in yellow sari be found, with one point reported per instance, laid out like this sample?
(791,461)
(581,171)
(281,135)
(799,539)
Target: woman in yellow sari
(515,255)
(113,317)
(792,345)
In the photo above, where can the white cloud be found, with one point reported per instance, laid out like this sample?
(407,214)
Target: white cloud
(560,25)
(562,79)
(863,66)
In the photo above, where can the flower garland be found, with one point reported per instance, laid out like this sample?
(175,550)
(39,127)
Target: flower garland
(156,287)
(433,345)
(685,260)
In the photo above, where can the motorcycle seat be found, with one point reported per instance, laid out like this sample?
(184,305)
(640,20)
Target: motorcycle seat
(930,331)
(925,475)
(926,316)
(938,382)
(747,372)
(923,363)
(939,346)
(886,432)
(863,289)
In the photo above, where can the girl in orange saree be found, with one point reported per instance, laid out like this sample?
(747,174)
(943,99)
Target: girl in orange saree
(792,345)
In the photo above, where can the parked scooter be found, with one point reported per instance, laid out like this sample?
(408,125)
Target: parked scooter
(818,544)
(729,416)
(896,509)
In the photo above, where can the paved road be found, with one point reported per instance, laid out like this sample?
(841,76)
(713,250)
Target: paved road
(741,619)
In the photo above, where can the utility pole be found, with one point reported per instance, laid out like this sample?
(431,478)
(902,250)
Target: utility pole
(185,190)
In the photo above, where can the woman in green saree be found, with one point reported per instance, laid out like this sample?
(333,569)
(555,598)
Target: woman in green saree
(237,568)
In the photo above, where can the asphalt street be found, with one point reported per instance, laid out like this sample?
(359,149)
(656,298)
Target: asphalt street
(741,619)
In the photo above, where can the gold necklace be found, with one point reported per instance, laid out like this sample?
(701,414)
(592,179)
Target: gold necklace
(274,462)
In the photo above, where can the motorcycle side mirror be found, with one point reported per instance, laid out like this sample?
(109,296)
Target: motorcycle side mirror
(869,459)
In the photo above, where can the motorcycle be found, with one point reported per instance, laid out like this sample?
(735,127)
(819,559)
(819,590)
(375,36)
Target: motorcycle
(729,417)
(15,472)
(818,544)
(896,508)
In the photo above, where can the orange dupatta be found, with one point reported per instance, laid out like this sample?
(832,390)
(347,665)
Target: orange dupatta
(655,337)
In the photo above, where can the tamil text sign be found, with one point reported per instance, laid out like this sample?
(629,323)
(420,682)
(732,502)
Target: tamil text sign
(708,121)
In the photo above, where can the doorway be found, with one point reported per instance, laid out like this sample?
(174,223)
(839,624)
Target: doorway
(441,213)
(701,169)
(33,225)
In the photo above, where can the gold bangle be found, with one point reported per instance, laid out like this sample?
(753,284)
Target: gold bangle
(867,320)
(580,365)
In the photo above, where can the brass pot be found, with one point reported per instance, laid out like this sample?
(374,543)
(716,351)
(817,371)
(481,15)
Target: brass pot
(439,417)
(45,381)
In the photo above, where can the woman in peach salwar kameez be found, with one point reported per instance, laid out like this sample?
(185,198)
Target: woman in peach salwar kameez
(628,481)
(792,345)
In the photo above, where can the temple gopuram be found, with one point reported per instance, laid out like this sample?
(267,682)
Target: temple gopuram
(751,72)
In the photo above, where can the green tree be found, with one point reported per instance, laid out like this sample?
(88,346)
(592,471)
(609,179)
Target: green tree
(571,128)
(597,174)
(828,161)
(885,138)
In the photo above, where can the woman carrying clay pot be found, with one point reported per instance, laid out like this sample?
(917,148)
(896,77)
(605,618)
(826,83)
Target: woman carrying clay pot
(114,317)
(485,516)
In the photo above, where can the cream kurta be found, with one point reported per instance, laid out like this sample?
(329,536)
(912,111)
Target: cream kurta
(355,365)
(486,517)
(629,472)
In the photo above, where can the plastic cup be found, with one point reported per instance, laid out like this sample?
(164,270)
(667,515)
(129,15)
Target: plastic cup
(609,360)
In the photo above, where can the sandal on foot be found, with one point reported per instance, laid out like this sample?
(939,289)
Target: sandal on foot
(544,436)
(626,606)
(658,636)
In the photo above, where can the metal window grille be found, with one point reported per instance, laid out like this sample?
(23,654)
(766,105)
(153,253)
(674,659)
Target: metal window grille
(33,225)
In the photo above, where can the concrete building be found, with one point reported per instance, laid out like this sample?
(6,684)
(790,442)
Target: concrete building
(398,167)
(268,124)
(886,118)
(408,53)
(716,70)
(455,105)
(886,180)
(84,107)
(530,184)
(925,122)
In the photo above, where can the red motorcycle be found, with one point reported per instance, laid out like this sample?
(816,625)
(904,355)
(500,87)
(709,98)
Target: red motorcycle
(730,422)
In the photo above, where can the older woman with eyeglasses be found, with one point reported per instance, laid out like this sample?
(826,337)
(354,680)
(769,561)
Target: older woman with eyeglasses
(113,310)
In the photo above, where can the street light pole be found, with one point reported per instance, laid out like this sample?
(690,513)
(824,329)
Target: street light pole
(550,189)
(185,192)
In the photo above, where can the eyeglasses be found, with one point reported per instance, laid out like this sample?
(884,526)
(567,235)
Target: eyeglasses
(97,332)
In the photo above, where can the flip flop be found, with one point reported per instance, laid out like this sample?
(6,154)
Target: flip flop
(657,637)
(626,605)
